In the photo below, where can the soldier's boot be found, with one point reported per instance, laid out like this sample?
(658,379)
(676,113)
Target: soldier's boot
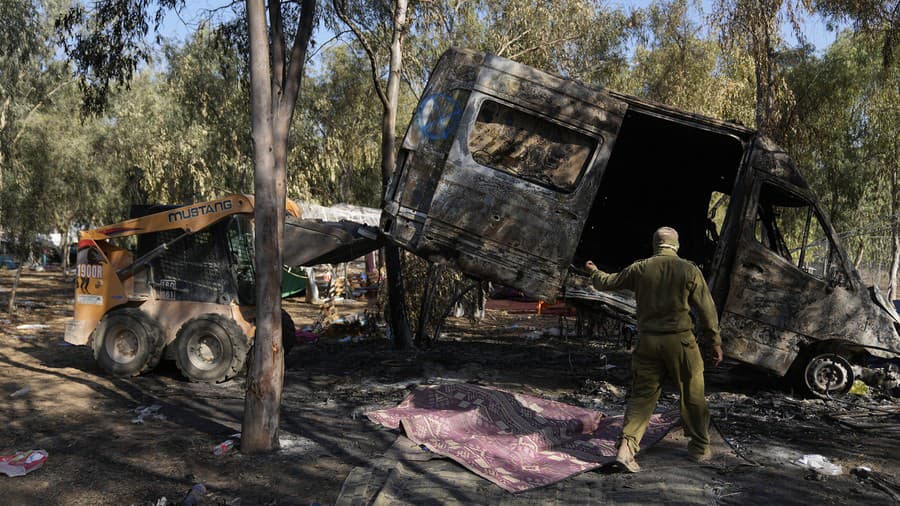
(625,458)
(698,456)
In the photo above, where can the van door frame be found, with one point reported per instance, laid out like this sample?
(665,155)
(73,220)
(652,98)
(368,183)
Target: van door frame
(766,339)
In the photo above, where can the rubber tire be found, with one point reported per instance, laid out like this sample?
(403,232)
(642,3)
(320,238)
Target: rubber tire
(288,333)
(144,328)
(231,339)
(821,360)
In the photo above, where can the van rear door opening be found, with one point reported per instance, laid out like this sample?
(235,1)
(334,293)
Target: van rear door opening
(661,173)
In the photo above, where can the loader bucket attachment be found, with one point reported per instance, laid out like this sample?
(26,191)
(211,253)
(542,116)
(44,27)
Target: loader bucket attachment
(313,242)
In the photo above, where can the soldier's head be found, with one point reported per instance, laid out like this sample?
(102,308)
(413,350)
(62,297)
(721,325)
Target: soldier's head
(665,237)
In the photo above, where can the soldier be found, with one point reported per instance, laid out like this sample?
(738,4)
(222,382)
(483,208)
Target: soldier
(666,287)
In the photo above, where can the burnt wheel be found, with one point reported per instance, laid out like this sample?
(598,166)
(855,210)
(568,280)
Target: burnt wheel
(827,374)
(210,348)
(288,332)
(127,342)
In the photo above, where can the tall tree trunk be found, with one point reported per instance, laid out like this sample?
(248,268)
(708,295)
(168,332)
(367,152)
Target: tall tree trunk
(274,88)
(265,375)
(399,316)
(895,234)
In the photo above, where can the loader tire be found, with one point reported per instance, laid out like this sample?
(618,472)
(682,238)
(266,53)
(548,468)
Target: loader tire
(288,333)
(128,342)
(210,348)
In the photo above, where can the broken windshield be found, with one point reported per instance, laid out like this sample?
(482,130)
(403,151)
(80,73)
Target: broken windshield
(789,226)
(528,146)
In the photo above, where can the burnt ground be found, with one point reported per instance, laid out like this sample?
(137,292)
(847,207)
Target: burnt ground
(332,454)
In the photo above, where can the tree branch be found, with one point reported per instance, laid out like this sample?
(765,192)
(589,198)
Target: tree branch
(35,108)
(505,46)
(340,7)
(543,45)
(277,29)
(298,54)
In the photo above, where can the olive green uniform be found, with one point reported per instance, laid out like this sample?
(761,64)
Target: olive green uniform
(666,287)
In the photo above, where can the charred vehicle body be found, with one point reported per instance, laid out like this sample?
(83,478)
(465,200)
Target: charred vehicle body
(514,176)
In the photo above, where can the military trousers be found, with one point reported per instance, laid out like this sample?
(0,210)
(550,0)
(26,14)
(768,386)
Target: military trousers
(677,357)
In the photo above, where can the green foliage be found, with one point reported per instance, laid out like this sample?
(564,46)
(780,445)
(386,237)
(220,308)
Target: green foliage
(842,130)
(106,43)
(676,65)
(337,134)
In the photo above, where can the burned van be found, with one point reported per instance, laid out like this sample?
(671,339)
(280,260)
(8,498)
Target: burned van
(519,177)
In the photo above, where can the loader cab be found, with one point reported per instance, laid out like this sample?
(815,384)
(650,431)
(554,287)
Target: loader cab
(214,265)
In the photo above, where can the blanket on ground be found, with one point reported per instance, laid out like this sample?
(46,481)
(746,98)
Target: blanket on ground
(517,441)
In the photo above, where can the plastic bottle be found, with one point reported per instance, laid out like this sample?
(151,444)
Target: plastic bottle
(20,392)
(194,495)
(223,447)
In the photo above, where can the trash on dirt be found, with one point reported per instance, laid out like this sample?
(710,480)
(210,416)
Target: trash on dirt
(878,480)
(194,495)
(31,326)
(225,446)
(291,444)
(861,471)
(820,464)
(883,378)
(162,501)
(25,337)
(145,412)
(859,388)
(22,392)
(884,419)
(307,336)
(22,463)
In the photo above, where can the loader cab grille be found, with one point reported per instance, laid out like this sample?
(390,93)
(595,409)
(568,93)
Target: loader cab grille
(195,268)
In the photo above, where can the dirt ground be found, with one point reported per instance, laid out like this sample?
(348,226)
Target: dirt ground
(331,454)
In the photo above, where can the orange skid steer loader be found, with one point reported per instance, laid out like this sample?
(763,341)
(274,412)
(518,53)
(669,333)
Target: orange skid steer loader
(185,288)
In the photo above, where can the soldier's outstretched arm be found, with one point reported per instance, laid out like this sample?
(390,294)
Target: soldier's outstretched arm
(617,281)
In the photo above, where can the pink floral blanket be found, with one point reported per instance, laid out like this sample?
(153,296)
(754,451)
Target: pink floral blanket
(517,441)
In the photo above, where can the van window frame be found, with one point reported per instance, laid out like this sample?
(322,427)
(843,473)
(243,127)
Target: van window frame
(477,99)
(842,278)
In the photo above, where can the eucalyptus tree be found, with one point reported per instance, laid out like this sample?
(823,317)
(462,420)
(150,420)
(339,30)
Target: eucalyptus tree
(754,26)
(29,80)
(675,62)
(842,128)
(107,43)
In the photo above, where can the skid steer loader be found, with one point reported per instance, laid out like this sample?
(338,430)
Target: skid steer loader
(179,282)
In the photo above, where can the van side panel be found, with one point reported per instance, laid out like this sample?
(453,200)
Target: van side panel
(512,211)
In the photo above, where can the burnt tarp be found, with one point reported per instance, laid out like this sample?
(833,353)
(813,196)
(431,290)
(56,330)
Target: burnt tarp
(314,242)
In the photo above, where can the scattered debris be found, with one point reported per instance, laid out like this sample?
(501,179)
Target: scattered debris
(859,388)
(22,463)
(307,336)
(22,392)
(885,419)
(145,412)
(194,495)
(32,326)
(820,464)
(225,446)
(878,480)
